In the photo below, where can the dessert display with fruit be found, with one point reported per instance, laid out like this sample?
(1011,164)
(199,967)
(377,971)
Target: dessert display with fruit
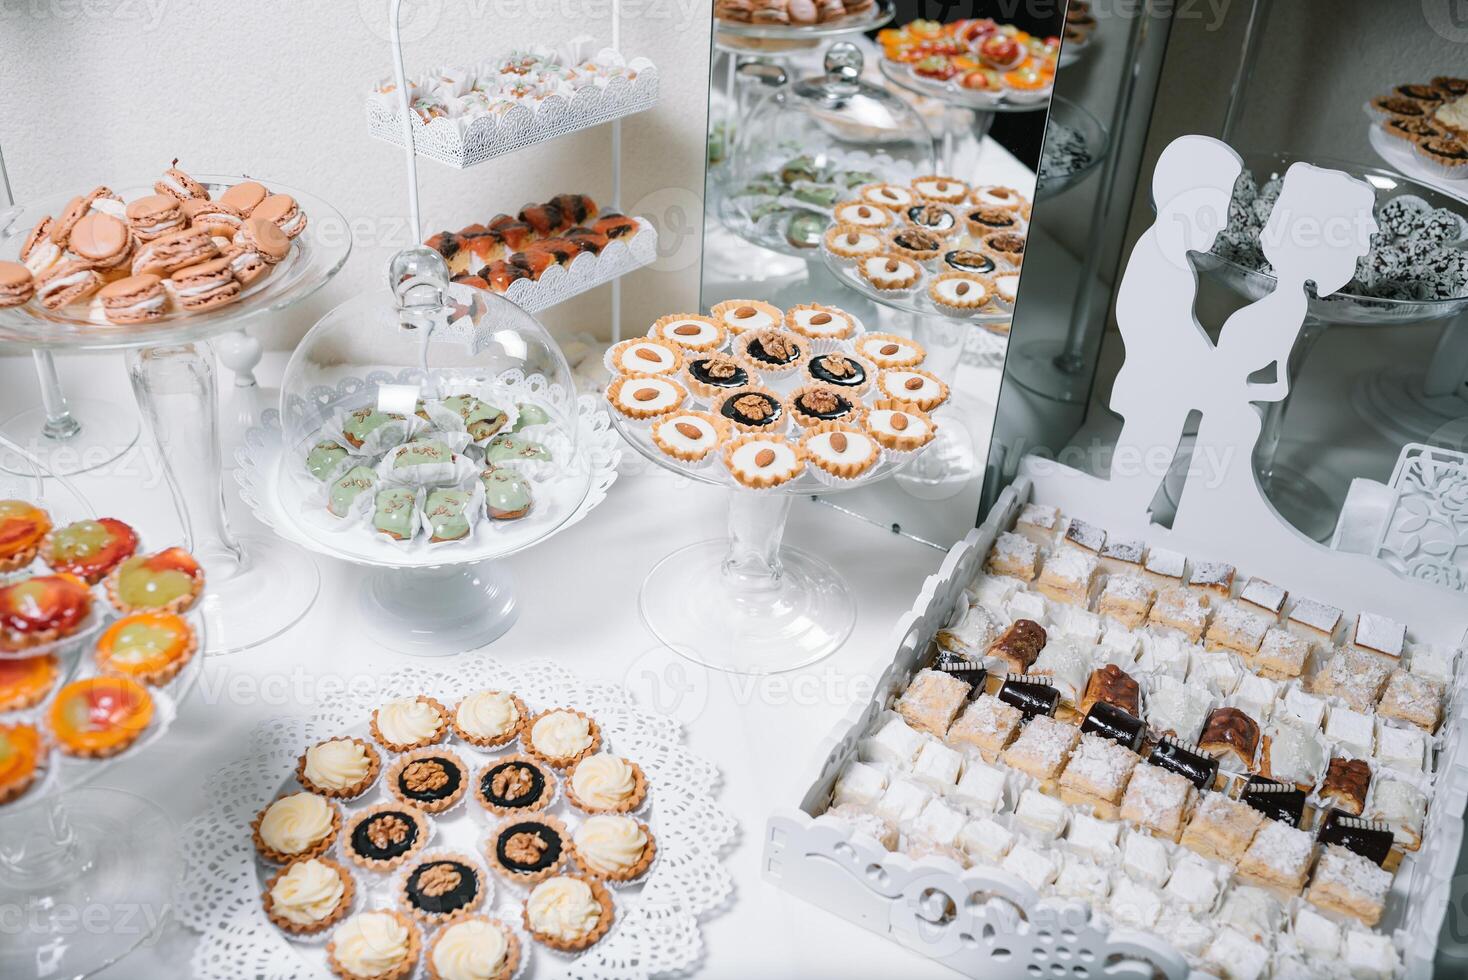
(546,874)
(90,636)
(506,249)
(170,253)
(983,59)
(936,245)
(753,396)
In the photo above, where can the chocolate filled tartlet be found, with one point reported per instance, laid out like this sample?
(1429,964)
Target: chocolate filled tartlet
(431,779)
(514,785)
(530,850)
(385,836)
(753,410)
(442,885)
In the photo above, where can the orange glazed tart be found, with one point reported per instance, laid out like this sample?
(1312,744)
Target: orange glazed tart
(89,549)
(149,647)
(168,581)
(22,529)
(25,681)
(41,610)
(100,716)
(20,759)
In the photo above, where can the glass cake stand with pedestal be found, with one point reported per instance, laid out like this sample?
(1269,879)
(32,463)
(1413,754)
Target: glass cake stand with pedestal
(747,603)
(258,585)
(1384,396)
(387,351)
(87,874)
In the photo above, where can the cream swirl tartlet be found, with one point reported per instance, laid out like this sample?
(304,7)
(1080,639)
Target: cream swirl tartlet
(606,783)
(569,913)
(307,896)
(473,947)
(561,737)
(300,825)
(489,719)
(379,945)
(410,723)
(340,767)
(614,847)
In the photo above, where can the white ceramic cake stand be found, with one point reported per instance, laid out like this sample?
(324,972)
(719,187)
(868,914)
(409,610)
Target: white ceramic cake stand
(428,602)
(258,586)
(87,874)
(746,603)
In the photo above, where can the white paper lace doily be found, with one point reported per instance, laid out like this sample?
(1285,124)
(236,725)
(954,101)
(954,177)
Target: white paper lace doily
(658,931)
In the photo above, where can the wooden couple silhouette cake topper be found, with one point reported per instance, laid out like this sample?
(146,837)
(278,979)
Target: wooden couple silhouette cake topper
(1321,224)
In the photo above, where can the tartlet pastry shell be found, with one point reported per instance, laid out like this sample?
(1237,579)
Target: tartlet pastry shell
(551,781)
(707,391)
(903,443)
(926,404)
(780,425)
(632,411)
(719,309)
(428,752)
(763,481)
(603,924)
(721,429)
(377,864)
(512,945)
(349,892)
(533,878)
(445,721)
(528,743)
(317,848)
(720,333)
(485,742)
(836,312)
(161,675)
(29,699)
(844,471)
(886,363)
(374,768)
(649,854)
(433,919)
(968,303)
(639,793)
(805,421)
(404,969)
(180,605)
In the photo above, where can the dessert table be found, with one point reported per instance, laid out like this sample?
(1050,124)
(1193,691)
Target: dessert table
(759,731)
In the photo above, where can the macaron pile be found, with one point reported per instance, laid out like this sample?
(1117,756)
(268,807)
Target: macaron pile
(176,250)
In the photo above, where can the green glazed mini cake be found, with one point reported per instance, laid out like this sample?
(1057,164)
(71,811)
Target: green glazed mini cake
(530,414)
(428,453)
(481,420)
(365,421)
(348,487)
(394,512)
(506,494)
(507,447)
(324,458)
(448,514)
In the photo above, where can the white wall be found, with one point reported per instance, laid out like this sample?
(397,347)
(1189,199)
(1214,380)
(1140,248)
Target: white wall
(109,91)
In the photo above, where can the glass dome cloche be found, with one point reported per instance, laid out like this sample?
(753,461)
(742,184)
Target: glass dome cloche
(429,423)
(807,147)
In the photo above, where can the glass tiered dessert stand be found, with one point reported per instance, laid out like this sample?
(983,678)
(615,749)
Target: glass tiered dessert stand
(391,351)
(258,586)
(71,852)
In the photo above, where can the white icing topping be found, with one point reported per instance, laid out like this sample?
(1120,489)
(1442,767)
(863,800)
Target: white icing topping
(603,781)
(880,420)
(337,764)
(408,721)
(1007,286)
(872,348)
(865,243)
(858,447)
(874,217)
(645,358)
(947,189)
(487,714)
(839,325)
(370,944)
(895,384)
(667,396)
(563,908)
(889,196)
(609,844)
(876,270)
(293,823)
(743,458)
(758,321)
(987,195)
(974,294)
(472,950)
(707,332)
(668,432)
(307,892)
(561,734)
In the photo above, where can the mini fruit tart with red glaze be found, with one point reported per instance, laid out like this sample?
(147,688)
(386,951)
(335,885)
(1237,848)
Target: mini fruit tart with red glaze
(166,581)
(149,647)
(100,716)
(23,527)
(89,549)
(41,610)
